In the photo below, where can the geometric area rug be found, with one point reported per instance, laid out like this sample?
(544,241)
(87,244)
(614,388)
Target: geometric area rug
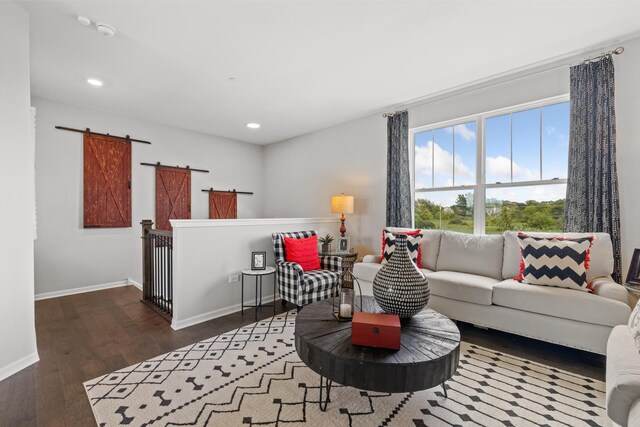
(252,376)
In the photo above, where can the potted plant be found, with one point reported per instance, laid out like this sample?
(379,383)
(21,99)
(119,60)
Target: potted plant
(325,241)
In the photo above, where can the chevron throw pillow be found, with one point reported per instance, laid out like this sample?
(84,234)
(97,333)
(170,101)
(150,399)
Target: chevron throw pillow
(555,261)
(413,246)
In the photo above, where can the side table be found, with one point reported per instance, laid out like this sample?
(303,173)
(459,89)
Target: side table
(258,274)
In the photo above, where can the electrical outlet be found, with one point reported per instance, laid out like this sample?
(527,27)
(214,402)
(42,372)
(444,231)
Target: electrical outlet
(234,278)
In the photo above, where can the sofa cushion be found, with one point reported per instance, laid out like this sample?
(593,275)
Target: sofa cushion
(473,254)
(430,246)
(600,257)
(623,374)
(559,302)
(461,286)
(366,270)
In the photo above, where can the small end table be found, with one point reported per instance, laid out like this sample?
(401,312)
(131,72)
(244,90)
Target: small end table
(258,274)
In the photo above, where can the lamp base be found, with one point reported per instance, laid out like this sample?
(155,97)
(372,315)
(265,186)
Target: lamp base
(343,229)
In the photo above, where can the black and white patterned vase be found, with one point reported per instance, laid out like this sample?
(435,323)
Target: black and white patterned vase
(400,287)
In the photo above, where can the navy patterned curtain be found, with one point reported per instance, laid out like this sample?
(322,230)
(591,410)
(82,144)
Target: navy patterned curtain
(398,172)
(592,188)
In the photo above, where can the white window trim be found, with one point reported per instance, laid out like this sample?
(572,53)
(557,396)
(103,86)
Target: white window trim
(480,188)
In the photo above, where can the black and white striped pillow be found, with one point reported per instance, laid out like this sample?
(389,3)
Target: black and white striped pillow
(413,246)
(555,261)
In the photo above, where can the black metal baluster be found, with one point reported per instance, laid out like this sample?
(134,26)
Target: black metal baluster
(171,277)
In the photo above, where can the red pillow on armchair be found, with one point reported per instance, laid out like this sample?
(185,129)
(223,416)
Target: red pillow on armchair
(302,251)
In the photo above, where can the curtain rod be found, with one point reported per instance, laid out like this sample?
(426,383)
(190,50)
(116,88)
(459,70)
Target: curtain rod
(393,113)
(211,190)
(501,79)
(159,165)
(87,130)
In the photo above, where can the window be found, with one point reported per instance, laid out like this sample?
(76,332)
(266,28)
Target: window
(503,170)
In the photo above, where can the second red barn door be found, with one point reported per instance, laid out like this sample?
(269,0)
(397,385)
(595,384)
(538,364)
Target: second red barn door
(223,205)
(173,195)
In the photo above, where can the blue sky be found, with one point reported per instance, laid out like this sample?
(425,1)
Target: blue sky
(455,147)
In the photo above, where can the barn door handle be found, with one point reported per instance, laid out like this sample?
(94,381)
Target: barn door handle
(129,184)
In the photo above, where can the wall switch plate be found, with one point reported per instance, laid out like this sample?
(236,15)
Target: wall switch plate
(234,278)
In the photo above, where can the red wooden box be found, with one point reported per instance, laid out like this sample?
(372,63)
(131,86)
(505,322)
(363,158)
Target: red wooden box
(376,330)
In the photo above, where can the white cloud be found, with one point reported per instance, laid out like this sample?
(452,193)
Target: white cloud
(463,131)
(500,168)
(550,130)
(522,194)
(442,164)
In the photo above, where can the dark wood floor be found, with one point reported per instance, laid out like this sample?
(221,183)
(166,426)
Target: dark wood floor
(84,336)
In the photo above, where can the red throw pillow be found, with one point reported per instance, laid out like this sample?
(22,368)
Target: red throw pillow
(408,233)
(302,251)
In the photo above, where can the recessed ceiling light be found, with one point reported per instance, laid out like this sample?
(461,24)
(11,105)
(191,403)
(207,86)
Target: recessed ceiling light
(84,20)
(94,82)
(253,125)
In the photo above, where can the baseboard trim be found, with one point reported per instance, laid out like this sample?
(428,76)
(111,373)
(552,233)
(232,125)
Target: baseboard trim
(194,320)
(134,283)
(92,288)
(18,365)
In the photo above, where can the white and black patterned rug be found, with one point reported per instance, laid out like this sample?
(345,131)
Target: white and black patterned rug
(253,376)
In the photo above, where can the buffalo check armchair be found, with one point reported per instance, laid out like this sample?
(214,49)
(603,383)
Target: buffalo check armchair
(304,287)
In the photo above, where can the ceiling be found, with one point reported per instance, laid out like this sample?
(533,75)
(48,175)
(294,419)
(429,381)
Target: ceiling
(298,66)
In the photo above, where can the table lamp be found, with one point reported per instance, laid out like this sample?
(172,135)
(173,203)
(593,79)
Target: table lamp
(342,204)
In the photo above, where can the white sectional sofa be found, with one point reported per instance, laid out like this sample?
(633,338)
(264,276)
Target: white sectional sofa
(471,280)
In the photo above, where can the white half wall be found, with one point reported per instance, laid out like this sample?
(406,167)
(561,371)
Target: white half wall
(207,252)
(17,323)
(69,256)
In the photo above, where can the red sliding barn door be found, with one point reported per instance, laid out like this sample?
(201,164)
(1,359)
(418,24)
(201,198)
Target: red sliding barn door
(107,181)
(173,196)
(223,205)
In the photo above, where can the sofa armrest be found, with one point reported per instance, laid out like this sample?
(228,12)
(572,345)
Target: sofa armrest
(623,374)
(374,259)
(607,288)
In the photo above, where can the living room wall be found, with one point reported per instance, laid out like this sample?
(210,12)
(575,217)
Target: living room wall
(351,157)
(69,256)
(17,322)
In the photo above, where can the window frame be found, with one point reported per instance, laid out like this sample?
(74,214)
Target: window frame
(480,188)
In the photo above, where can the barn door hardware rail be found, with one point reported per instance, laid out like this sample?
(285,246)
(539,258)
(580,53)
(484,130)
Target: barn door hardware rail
(211,190)
(174,167)
(87,130)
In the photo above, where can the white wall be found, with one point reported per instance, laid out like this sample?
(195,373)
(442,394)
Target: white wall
(628,145)
(17,327)
(206,253)
(69,256)
(351,157)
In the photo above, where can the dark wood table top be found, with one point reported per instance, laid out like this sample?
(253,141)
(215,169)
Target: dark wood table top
(429,353)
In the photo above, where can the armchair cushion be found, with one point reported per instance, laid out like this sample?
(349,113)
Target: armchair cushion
(303,251)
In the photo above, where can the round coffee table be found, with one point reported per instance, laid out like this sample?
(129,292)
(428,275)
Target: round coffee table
(428,356)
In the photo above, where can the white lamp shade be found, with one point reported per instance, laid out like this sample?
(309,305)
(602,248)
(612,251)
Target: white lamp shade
(342,204)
